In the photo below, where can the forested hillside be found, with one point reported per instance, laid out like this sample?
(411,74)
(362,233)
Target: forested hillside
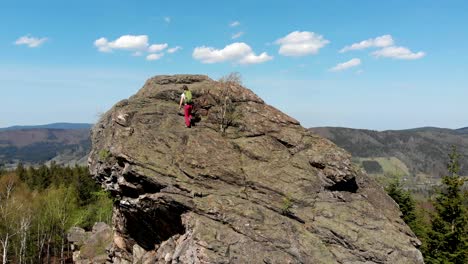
(51,126)
(39,205)
(39,145)
(420,155)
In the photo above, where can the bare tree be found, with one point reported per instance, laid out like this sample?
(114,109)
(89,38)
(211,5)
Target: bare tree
(25,225)
(231,78)
(7,211)
(228,110)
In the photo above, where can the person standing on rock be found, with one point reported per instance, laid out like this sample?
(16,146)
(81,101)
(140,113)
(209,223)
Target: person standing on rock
(186,101)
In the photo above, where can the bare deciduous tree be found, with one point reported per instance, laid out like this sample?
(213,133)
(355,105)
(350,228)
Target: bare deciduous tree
(8,208)
(228,110)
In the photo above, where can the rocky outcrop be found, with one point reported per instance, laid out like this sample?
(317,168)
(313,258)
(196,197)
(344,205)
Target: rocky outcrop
(90,247)
(245,184)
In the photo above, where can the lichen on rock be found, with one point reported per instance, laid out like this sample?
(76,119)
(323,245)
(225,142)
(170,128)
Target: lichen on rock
(202,195)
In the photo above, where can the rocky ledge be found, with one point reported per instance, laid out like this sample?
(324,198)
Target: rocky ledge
(245,184)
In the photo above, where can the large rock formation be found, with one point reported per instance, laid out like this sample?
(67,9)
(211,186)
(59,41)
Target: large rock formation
(246,184)
(90,247)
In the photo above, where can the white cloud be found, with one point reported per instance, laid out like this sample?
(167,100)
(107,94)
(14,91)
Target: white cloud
(346,65)
(154,56)
(238,52)
(379,42)
(130,42)
(174,49)
(234,24)
(237,35)
(388,48)
(31,42)
(401,53)
(299,43)
(167,19)
(157,47)
(102,44)
(254,59)
(137,44)
(126,42)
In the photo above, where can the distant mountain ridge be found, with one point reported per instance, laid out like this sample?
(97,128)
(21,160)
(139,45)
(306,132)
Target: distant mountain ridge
(51,126)
(421,152)
(463,130)
(63,143)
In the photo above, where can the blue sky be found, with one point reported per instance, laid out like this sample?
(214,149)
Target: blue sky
(72,60)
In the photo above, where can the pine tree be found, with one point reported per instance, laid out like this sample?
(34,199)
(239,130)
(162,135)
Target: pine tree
(403,199)
(448,239)
(21,172)
(407,205)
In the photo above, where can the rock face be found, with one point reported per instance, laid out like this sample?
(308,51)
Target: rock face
(90,247)
(245,184)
